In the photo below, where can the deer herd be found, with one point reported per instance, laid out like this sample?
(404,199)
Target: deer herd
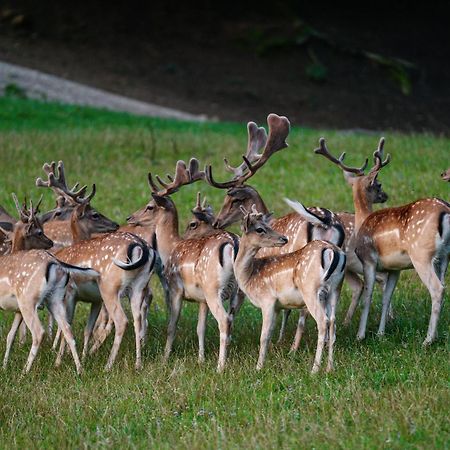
(299,261)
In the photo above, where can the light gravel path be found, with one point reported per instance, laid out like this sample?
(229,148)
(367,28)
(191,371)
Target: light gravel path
(42,86)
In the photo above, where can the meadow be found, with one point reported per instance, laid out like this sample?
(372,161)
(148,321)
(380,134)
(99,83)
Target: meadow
(384,393)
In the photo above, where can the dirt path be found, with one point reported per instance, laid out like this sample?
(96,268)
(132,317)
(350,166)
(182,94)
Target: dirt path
(39,85)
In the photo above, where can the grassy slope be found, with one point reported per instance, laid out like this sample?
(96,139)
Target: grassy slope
(389,393)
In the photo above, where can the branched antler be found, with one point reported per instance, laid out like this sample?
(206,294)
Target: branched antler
(378,157)
(56,181)
(323,150)
(279,127)
(183,176)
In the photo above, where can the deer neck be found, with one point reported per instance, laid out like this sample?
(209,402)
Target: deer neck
(245,261)
(78,233)
(17,242)
(363,207)
(167,235)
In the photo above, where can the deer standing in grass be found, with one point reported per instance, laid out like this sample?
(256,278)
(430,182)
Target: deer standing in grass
(31,277)
(197,269)
(310,277)
(124,261)
(300,227)
(416,235)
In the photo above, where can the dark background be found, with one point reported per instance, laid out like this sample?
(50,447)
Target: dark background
(323,64)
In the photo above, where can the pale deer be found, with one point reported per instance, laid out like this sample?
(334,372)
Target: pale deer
(32,278)
(124,261)
(416,235)
(197,269)
(307,278)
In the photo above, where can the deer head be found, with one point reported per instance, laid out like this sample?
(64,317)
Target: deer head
(161,203)
(257,230)
(85,220)
(446,175)
(238,193)
(366,185)
(27,233)
(202,221)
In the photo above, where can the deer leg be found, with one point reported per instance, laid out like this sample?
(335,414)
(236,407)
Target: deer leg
(174,310)
(387,295)
(284,319)
(56,307)
(236,303)
(22,333)
(93,316)
(269,315)
(145,307)
(31,318)
(11,335)
(299,332)
(332,302)
(103,329)
(201,327)
(356,286)
(138,299)
(369,281)
(430,279)
(322,322)
(50,325)
(111,299)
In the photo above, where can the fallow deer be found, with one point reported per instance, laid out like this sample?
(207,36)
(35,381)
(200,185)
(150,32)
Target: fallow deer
(310,277)
(416,235)
(124,261)
(300,227)
(197,269)
(31,278)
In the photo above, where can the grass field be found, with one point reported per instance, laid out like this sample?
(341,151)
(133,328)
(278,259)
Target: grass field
(388,393)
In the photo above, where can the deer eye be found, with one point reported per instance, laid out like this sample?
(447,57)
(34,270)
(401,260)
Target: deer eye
(39,232)
(95,216)
(193,225)
(57,213)
(149,208)
(260,230)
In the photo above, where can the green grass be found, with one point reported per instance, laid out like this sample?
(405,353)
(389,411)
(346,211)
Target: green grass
(388,393)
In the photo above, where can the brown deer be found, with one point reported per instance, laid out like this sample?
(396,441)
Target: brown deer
(416,235)
(307,278)
(31,278)
(446,175)
(124,261)
(197,269)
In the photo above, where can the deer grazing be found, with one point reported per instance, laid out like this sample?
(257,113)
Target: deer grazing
(416,235)
(123,260)
(31,277)
(307,278)
(196,269)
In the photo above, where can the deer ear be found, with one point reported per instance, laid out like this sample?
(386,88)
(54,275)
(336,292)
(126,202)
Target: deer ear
(80,210)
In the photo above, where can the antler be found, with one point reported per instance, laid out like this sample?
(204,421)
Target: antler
(56,180)
(26,215)
(323,150)
(279,127)
(378,157)
(58,184)
(257,139)
(202,207)
(183,176)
